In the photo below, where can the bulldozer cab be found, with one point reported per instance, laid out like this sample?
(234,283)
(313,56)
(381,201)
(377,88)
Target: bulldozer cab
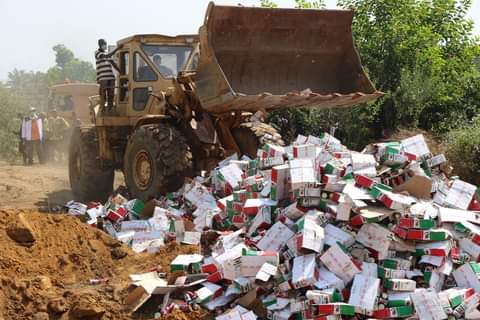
(70,100)
(147,64)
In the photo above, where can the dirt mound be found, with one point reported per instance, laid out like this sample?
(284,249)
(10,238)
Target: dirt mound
(47,261)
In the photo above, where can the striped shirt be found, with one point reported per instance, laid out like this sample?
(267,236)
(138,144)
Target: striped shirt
(104,66)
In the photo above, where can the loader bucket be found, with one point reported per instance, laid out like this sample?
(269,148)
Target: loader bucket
(263,58)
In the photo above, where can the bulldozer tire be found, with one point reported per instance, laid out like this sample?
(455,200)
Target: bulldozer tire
(157,160)
(251,136)
(90,180)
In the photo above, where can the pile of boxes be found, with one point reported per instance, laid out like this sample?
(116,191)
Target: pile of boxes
(316,231)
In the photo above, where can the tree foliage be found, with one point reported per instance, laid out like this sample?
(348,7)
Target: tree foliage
(69,68)
(63,55)
(9,130)
(463,150)
(25,89)
(315,4)
(422,54)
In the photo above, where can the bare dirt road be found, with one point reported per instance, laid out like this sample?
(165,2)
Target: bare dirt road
(36,186)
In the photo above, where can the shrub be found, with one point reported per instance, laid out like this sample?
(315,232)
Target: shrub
(463,151)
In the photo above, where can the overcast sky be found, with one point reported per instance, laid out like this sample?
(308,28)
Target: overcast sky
(30,28)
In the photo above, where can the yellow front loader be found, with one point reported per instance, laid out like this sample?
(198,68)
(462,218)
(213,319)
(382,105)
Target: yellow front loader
(183,103)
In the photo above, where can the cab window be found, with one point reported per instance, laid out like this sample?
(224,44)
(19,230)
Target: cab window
(142,71)
(169,60)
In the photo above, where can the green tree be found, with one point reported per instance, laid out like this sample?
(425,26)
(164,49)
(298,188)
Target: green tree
(63,55)
(315,4)
(422,54)
(10,105)
(69,68)
(268,4)
(30,89)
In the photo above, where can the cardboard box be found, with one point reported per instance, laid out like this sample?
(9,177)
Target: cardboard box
(302,174)
(251,261)
(262,220)
(339,263)
(304,271)
(311,236)
(252,206)
(147,241)
(293,211)
(199,196)
(274,150)
(116,215)
(192,237)
(266,272)
(438,248)
(364,292)
(280,182)
(394,312)
(304,151)
(184,261)
(460,194)
(364,164)
(416,145)
(427,305)
(135,225)
(400,284)
(467,276)
(208,292)
(334,234)
(376,237)
(275,238)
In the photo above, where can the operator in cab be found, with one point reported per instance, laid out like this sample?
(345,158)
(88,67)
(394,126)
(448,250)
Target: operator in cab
(165,71)
(105,75)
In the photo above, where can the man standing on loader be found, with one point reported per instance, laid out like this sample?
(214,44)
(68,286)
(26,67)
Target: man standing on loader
(105,75)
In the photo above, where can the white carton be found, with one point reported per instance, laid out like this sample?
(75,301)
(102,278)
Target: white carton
(467,276)
(302,174)
(334,234)
(267,271)
(232,174)
(251,264)
(304,271)
(147,241)
(364,292)
(376,237)
(312,235)
(192,237)
(339,263)
(327,279)
(275,238)
(460,194)
(364,164)
(416,145)
(427,305)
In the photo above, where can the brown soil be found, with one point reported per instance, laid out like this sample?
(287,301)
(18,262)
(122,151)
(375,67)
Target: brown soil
(45,271)
(36,186)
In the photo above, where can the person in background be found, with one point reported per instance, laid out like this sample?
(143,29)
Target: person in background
(44,142)
(59,128)
(32,134)
(105,75)
(17,130)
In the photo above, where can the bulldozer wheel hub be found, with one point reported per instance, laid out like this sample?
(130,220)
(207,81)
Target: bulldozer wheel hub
(142,174)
